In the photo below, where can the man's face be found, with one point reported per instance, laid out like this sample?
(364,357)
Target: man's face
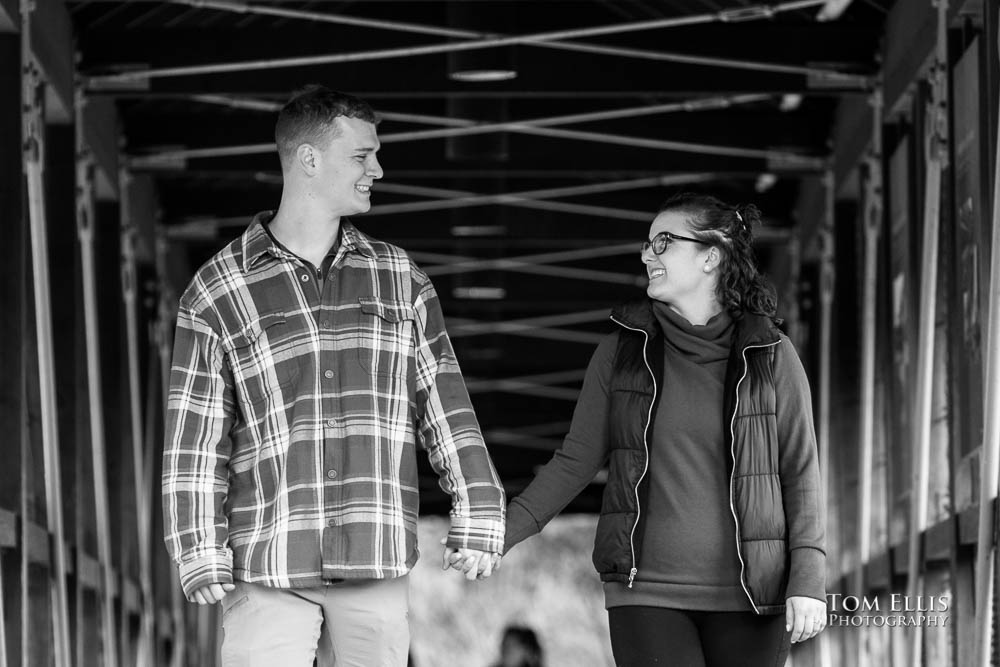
(348,167)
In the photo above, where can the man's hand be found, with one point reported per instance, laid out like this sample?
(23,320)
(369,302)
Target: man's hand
(474,563)
(805,617)
(211,593)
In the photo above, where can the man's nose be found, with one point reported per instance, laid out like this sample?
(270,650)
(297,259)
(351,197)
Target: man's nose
(375,169)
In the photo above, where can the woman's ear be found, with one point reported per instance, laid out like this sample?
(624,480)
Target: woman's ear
(712,259)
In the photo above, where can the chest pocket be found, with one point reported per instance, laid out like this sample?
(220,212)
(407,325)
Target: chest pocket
(385,327)
(261,358)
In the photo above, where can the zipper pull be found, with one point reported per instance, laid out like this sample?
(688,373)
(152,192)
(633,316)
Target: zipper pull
(631,576)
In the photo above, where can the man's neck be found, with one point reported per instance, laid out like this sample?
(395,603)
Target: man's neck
(305,233)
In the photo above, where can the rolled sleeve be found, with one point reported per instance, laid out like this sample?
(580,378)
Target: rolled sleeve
(213,567)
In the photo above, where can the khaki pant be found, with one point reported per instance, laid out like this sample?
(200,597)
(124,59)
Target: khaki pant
(348,624)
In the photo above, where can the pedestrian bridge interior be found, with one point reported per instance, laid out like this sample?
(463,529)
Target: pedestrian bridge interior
(527,145)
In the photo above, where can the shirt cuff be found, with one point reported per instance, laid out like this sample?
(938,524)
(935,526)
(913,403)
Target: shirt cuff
(482,534)
(215,567)
(807,574)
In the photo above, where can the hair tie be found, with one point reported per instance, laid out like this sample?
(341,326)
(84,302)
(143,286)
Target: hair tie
(739,217)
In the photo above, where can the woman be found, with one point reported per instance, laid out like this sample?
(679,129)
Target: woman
(710,538)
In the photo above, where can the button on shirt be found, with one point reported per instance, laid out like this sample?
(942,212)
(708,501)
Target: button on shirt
(295,413)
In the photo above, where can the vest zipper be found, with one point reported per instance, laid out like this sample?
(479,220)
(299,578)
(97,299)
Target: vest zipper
(645,444)
(732,475)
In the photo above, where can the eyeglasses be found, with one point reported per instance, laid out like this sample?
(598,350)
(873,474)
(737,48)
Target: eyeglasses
(662,241)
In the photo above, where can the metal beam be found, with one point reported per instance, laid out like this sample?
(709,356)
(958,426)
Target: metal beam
(989,465)
(540,379)
(463,328)
(748,13)
(533,198)
(471,265)
(525,389)
(536,127)
(456,127)
(872,220)
(936,158)
(128,232)
(507,438)
(85,192)
(247,8)
(33,115)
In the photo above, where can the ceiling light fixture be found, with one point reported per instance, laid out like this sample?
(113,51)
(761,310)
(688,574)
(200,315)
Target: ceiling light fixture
(481,65)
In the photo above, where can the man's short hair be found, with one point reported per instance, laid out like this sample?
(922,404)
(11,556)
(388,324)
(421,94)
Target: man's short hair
(309,117)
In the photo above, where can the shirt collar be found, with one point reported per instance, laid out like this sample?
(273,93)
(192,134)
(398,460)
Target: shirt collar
(257,242)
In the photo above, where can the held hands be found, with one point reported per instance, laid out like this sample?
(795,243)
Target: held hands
(211,593)
(805,617)
(474,563)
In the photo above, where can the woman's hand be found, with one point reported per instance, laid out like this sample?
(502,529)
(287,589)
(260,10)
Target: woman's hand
(805,617)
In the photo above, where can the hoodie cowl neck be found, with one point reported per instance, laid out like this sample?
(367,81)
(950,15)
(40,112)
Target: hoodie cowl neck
(700,343)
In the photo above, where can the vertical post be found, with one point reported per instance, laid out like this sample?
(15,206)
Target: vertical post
(872,222)
(34,121)
(3,621)
(936,155)
(85,217)
(827,275)
(791,297)
(163,333)
(12,351)
(990,459)
(129,295)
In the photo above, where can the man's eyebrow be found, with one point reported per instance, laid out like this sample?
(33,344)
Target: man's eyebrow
(366,149)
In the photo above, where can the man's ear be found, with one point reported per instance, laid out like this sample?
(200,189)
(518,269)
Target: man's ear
(307,158)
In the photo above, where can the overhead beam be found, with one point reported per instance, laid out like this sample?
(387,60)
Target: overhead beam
(524,389)
(450,46)
(471,265)
(603,49)
(851,47)
(785,159)
(454,199)
(463,328)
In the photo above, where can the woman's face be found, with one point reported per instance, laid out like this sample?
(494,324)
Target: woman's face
(678,276)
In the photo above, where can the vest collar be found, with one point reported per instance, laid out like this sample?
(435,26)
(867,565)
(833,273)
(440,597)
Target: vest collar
(751,329)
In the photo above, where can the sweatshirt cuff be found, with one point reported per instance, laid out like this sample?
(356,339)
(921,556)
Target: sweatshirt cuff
(807,575)
(520,525)
(215,567)
(481,534)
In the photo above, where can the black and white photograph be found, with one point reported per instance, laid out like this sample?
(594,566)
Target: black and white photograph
(499,333)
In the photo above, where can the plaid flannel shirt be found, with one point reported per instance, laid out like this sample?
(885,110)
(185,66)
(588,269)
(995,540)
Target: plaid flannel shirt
(293,419)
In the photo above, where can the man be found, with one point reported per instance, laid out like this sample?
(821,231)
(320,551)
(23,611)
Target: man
(310,361)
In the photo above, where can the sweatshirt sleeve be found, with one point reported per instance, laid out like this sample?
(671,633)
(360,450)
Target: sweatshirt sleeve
(584,451)
(800,481)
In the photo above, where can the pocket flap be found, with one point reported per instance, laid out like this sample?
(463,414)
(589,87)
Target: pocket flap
(389,310)
(249,334)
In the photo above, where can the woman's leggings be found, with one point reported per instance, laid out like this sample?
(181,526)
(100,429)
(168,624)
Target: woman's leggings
(643,636)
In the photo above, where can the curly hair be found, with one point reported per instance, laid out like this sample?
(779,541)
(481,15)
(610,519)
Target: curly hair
(741,287)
